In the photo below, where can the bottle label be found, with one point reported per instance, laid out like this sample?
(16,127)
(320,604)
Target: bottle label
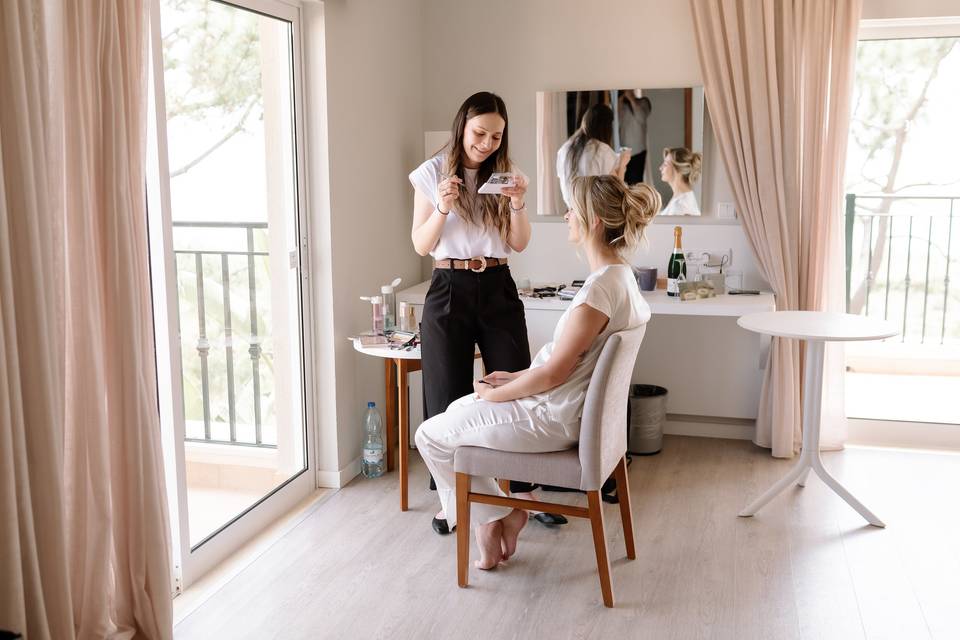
(373,456)
(672,287)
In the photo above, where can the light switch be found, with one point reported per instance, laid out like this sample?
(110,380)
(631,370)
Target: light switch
(726,210)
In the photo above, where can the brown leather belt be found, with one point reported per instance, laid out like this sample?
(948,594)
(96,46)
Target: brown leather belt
(478,265)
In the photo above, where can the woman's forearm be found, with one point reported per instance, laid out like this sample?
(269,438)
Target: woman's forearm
(426,236)
(530,382)
(519,236)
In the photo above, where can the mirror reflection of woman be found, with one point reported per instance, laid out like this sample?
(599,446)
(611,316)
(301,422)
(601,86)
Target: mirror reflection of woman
(588,152)
(681,169)
(633,113)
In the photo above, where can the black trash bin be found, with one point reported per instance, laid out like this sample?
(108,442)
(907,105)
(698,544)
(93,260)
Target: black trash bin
(648,409)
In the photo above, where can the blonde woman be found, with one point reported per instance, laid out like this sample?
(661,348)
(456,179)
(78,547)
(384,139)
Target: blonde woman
(538,410)
(681,169)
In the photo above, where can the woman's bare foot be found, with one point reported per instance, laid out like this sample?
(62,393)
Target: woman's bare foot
(511,527)
(488,539)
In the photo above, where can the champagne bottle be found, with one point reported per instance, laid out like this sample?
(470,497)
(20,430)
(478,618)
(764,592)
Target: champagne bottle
(676,266)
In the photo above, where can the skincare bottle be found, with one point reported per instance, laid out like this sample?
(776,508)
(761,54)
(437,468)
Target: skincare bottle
(389,305)
(377,303)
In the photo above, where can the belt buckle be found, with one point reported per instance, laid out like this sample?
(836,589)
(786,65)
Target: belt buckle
(483,265)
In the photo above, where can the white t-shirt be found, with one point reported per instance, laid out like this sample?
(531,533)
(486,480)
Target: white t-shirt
(613,291)
(684,204)
(460,239)
(633,127)
(597,159)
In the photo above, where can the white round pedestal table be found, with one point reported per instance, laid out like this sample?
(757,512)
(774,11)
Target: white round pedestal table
(815,328)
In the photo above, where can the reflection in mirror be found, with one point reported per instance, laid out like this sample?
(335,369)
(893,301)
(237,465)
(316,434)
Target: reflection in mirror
(626,132)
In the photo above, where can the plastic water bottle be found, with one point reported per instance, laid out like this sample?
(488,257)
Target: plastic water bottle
(390,320)
(373,464)
(389,307)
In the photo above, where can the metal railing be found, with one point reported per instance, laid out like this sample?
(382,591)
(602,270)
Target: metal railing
(203,344)
(901,242)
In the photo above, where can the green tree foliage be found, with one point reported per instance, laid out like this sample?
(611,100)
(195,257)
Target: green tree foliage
(893,82)
(211,59)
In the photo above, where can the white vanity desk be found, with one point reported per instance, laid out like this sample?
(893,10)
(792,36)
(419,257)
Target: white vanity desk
(711,367)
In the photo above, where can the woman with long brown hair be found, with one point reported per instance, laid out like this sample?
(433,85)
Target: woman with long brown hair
(588,152)
(472,298)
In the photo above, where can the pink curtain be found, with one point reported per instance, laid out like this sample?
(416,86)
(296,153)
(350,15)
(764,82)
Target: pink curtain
(778,76)
(85,533)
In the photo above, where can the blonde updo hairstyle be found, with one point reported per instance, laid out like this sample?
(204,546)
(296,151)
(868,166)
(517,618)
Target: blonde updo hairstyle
(623,211)
(685,162)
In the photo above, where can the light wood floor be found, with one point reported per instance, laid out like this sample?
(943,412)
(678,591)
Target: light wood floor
(807,566)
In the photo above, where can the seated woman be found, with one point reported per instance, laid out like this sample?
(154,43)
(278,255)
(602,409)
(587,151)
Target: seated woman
(538,410)
(588,152)
(681,169)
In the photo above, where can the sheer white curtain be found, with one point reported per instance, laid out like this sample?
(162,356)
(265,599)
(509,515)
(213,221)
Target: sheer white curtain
(84,550)
(778,76)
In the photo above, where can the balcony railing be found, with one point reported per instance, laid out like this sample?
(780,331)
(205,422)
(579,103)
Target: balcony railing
(900,252)
(218,330)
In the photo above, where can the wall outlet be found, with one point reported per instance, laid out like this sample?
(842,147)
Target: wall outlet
(726,210)
(700,258)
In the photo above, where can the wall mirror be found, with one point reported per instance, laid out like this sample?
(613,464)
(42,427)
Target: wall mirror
(621,131)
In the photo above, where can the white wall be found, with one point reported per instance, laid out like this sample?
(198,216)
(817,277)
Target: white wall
(550,258)
(518,48)
(888,9)
(364,63)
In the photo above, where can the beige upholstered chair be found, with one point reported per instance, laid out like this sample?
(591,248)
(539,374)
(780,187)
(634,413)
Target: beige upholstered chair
(601,452)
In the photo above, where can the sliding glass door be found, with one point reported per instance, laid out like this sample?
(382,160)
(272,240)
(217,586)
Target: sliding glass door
(226,244)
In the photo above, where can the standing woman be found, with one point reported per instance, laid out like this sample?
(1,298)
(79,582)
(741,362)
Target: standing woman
(633,115)
(588,152)
(472,297)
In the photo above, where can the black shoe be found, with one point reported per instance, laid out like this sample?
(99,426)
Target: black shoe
(610,498)
(549,519)
(433,484)
(440,526)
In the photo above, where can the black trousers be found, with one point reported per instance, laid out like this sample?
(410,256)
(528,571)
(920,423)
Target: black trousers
(463,309)
(634,172)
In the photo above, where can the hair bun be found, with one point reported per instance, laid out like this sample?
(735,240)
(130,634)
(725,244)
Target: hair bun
(641,203)
(696,163)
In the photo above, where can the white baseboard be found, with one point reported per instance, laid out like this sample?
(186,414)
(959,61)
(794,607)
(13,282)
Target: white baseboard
(877,433)
(709,427)
(338,479)
(906,435)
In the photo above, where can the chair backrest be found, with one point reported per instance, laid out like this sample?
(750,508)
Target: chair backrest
(603,427)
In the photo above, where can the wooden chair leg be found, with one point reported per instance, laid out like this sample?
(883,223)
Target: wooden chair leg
(626,509)
(504,486)
(600,546)
(463,529)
